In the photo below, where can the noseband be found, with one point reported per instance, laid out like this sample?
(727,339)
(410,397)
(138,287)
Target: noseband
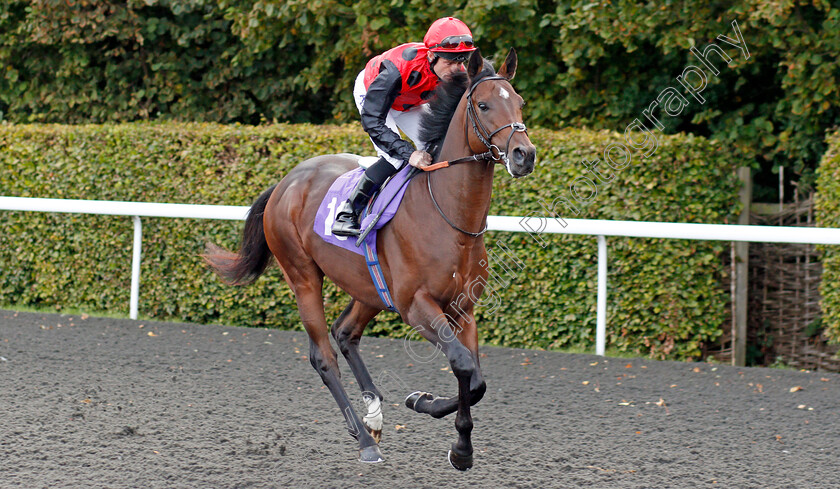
(494,153)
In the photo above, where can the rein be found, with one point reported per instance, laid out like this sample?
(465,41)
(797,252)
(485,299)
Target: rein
(493,153)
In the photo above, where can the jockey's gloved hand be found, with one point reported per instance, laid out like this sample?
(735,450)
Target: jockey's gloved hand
(420,159)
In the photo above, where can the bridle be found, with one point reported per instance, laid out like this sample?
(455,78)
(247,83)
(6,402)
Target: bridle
(493,153)
(481,131)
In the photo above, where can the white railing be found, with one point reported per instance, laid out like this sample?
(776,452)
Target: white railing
(601,229)
(135,210)
(644,229)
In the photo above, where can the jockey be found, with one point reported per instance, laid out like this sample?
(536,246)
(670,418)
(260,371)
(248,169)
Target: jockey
(391,94)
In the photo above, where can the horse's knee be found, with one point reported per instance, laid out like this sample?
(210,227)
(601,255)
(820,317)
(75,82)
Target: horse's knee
(462,363)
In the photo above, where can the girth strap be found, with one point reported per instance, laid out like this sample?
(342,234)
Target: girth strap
(372,261)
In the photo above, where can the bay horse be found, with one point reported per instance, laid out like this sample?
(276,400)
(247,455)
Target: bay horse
(429,258)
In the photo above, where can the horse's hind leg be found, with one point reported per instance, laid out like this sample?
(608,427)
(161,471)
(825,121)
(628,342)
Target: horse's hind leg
(325,361)
(347,331)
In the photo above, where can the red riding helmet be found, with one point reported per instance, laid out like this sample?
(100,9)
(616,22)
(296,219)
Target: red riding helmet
(450,38)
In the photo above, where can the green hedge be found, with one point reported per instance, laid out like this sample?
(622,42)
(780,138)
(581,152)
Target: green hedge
(580,62)
(828,215)
(665,297)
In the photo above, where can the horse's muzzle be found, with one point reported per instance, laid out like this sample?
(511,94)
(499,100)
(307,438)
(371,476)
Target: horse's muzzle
(522,160)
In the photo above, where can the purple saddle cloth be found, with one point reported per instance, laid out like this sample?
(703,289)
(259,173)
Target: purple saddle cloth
(340,191)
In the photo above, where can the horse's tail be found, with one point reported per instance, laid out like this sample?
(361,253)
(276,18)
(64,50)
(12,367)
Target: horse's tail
(254,256)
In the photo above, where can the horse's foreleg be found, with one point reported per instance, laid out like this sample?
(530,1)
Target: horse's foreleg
(471,388)
(460,456)
(325,361)
(438,407)
(427,317)
(347,331)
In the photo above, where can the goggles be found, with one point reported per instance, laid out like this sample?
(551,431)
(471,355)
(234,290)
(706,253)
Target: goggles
(460,57)
(453,42)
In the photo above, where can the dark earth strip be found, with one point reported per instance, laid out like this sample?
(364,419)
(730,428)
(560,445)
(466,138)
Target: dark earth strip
(139,404)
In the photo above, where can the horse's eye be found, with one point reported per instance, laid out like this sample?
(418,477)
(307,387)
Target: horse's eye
(482,106)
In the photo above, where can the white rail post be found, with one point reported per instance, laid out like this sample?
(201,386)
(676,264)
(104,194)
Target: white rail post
(601,322)
(135,267)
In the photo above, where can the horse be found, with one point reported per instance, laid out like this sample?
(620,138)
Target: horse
(430,252)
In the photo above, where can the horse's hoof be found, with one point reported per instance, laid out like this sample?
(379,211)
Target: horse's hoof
(370,455)
(411,399)
(460,462)
(415,396)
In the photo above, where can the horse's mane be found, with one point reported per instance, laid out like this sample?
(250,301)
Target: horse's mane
(435,123)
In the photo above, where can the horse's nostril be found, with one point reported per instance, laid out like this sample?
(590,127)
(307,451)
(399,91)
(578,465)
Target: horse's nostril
(518,155)
(531,156)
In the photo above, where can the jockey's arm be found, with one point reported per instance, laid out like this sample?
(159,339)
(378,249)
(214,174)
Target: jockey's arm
(381,93)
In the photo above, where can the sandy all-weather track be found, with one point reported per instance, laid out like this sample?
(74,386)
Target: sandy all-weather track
(107,403)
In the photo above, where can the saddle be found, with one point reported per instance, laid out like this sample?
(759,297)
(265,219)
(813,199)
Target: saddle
(380,210)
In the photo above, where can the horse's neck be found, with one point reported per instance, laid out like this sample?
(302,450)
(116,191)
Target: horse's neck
(464,190)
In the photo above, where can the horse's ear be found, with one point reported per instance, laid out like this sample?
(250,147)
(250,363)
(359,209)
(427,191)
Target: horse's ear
(509,67)
(475,64)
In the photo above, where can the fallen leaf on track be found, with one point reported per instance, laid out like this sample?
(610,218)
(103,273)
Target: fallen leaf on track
(151,333)
(796,389)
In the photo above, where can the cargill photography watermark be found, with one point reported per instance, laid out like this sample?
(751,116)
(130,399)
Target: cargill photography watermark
(638,135)
(503,266)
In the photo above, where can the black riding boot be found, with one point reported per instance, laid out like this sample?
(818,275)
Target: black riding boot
(347,218)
